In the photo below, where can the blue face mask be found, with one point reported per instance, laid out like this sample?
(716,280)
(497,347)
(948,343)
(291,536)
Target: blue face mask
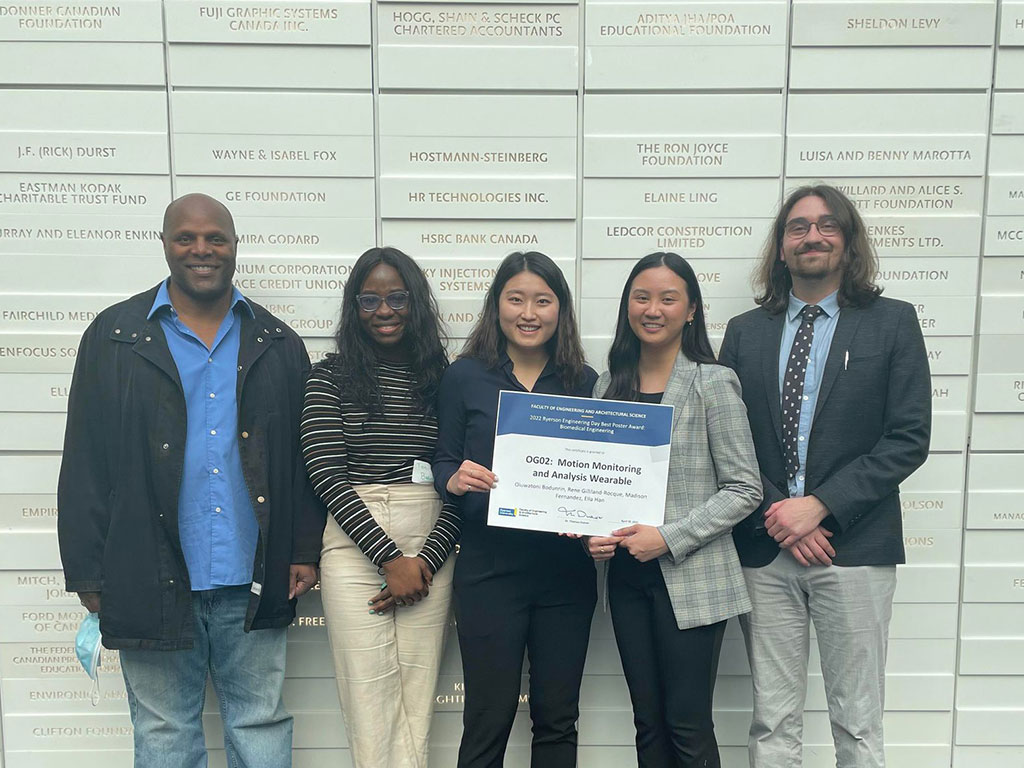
(88,649)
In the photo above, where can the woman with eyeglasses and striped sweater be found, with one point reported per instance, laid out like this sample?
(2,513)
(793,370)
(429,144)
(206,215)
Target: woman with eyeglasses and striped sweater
(368,433)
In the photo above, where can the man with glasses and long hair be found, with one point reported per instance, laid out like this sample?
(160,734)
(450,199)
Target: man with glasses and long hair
(836,383)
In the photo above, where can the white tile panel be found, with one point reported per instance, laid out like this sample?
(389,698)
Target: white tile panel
(412,197)
(81,234)
(888,69)
(487,239)
(1007,112)
(74,63)
(31,432)
(313,22)
(994,548)
(36,353)
(654,198)
(263,66)
(981,692)
(882,196)
(1003,314)
(59,194)
(987,757)
(728,238)
(993,584)
(116,20)
(84,111)
(893,23)
(996,509)
(680,67)
(1009,68)
(1004,235)
(884,115)
(1006,193)
(989,726)
(1011,23)
(992,656)
(35,393)
(479,115)
(1005,153)
(992,620)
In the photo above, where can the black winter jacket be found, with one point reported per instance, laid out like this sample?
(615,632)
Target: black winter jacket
(124,451)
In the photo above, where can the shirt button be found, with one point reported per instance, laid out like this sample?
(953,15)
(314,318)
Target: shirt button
(134,335)
(216,509)
(245,435)
(239,367)
(216,471)
(806,397)
(212,394)
(149,338)
(166,446)
(210,360)
(260,499)
(259,338)
(171,581)
(214,432)
(801,437)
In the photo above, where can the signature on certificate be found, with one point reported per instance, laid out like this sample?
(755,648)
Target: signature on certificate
(577,513)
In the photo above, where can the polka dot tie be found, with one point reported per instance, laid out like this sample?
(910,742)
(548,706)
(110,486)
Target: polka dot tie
(793,387)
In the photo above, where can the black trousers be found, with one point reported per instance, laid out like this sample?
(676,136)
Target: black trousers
(532,592)
(670,672)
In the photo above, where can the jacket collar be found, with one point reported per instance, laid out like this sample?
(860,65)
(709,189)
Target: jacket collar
(136,326)
(163,299)
(679,384)
(773,328)
(838,354)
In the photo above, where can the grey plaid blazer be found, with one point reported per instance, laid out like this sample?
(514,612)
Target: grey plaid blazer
(713,483)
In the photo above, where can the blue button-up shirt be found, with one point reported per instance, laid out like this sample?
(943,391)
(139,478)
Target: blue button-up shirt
(216,520)
(824,330)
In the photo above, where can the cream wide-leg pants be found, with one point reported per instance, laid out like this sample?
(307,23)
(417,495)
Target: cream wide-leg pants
(386,666)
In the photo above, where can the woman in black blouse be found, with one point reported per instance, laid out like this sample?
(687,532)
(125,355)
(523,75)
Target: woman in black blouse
(514,590)
(368,433)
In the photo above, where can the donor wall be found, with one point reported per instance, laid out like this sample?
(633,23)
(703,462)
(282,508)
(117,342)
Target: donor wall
(595,131)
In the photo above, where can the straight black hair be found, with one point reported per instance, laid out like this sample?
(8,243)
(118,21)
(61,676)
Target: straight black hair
(486,342)
(624,355)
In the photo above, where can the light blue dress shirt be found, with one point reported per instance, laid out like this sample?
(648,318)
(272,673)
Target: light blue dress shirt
(824,330)
(216,520)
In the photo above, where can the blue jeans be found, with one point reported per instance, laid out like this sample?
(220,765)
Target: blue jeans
(167,689)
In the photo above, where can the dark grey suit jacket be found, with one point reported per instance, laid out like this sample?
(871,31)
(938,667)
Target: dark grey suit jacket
(870,431)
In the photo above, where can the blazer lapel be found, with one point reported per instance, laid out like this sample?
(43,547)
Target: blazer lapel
(680,381)
(770,360)
(846,328)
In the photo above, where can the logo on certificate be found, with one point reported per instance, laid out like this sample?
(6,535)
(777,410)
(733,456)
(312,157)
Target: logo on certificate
(506,511)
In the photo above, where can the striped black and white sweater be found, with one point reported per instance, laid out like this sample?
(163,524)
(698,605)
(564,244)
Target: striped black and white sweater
(344,445)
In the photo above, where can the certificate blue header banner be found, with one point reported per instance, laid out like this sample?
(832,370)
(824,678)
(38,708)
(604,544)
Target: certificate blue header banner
(580,418)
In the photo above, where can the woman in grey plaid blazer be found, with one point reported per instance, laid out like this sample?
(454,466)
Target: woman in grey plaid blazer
(671,588)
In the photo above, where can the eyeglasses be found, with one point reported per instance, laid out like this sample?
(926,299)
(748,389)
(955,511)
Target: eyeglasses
(370,302)
(827,227)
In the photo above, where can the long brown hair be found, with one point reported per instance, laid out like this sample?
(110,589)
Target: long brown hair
(486,342)
(772,281)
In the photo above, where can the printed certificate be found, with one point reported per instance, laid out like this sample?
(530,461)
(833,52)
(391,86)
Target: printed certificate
(576,465)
